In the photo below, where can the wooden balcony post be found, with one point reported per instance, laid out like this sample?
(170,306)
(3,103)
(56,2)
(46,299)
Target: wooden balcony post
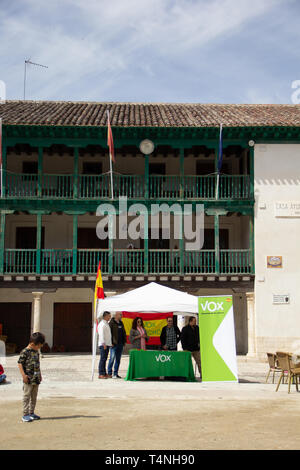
(216,190)
(146,243)
(111,243)
(40,171)
(75,170)
(4,170)
(251,243)
(216,213)
(38,241)
(251,165)
(146,176)
(181,171)
(181,244)
(2,241)
(217,243)
(75,235)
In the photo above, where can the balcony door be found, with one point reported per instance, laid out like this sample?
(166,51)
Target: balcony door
(209,239)
(26,238)
(87,239)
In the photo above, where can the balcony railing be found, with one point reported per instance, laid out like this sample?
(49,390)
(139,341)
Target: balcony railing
(85,261)
(50,186)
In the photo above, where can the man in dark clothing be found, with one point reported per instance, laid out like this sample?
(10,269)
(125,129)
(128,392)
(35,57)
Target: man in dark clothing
(190,340)
(170,336)
(118,335)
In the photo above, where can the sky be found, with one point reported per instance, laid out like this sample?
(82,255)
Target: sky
(201,51)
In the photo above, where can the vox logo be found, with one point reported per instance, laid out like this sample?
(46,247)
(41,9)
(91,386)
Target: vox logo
(163,358)
(212,306)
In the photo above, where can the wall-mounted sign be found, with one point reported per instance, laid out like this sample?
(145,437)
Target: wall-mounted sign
(287,208)
(274,261)
(281,299)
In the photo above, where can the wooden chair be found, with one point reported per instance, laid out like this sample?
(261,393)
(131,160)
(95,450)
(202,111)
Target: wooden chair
(285,363)
(273,366)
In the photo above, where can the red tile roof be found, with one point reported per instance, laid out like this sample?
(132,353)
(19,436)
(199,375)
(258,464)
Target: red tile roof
(65,113)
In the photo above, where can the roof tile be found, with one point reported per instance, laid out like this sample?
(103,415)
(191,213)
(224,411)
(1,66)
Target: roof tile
(65,113)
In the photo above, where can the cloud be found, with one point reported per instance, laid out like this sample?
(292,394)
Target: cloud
(94,47)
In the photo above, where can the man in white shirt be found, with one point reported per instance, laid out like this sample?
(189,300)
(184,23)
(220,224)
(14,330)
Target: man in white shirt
(104,342)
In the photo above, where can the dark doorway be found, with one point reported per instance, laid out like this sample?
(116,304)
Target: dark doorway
(30,168)
(87,238)
(91,168)
(15,318)
(26,238)
(72,326)
(209,239)
(157,168)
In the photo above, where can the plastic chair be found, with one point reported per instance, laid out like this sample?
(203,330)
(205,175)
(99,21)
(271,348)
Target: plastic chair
(273,366)
(285,363)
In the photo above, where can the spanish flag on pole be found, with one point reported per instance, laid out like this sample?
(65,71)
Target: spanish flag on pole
(110,140)
(99,292)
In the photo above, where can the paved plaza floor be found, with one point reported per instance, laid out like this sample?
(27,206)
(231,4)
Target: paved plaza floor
(80,413)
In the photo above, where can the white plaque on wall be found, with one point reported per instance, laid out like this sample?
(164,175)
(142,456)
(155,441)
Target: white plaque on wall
(287,208)
(281,299)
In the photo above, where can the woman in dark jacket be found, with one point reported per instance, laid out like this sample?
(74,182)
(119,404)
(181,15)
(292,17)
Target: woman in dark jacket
(138,335)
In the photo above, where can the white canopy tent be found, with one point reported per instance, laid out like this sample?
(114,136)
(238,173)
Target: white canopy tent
(150,298)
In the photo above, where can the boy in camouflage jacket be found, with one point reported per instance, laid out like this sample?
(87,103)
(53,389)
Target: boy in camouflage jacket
(29,366)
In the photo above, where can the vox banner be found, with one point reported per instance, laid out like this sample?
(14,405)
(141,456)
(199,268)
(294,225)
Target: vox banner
(217,339)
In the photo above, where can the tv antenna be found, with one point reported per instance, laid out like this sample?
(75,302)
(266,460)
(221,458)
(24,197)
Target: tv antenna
(28,61)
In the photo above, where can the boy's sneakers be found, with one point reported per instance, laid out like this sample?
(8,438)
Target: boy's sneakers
(33,416)
(27,419)
(116,377)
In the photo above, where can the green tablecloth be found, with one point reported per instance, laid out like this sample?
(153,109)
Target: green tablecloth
(160,363)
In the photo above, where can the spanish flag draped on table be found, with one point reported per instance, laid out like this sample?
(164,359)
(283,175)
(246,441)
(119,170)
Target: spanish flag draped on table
(99,294)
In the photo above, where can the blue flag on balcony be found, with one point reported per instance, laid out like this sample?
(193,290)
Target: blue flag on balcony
(220,155)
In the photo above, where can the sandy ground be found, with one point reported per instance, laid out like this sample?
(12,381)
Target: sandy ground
(78,413)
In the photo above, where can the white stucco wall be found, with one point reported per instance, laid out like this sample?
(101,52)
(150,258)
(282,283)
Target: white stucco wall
(277,178)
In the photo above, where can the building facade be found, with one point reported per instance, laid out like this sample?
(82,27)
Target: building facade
(56,175)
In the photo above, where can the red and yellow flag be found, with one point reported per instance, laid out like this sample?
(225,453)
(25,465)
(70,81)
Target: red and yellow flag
(99,292)
(153,324)
(110,141)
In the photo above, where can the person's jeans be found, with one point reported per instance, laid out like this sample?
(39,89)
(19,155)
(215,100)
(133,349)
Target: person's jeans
(103,359)
(115,357)
(2,378)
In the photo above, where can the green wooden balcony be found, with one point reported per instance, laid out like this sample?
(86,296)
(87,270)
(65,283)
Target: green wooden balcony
(50,186)
(85,261)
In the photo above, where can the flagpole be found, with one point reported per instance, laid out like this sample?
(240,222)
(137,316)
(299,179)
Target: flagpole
(97,295)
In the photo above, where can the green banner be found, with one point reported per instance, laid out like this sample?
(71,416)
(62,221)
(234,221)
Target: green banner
(217,339)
